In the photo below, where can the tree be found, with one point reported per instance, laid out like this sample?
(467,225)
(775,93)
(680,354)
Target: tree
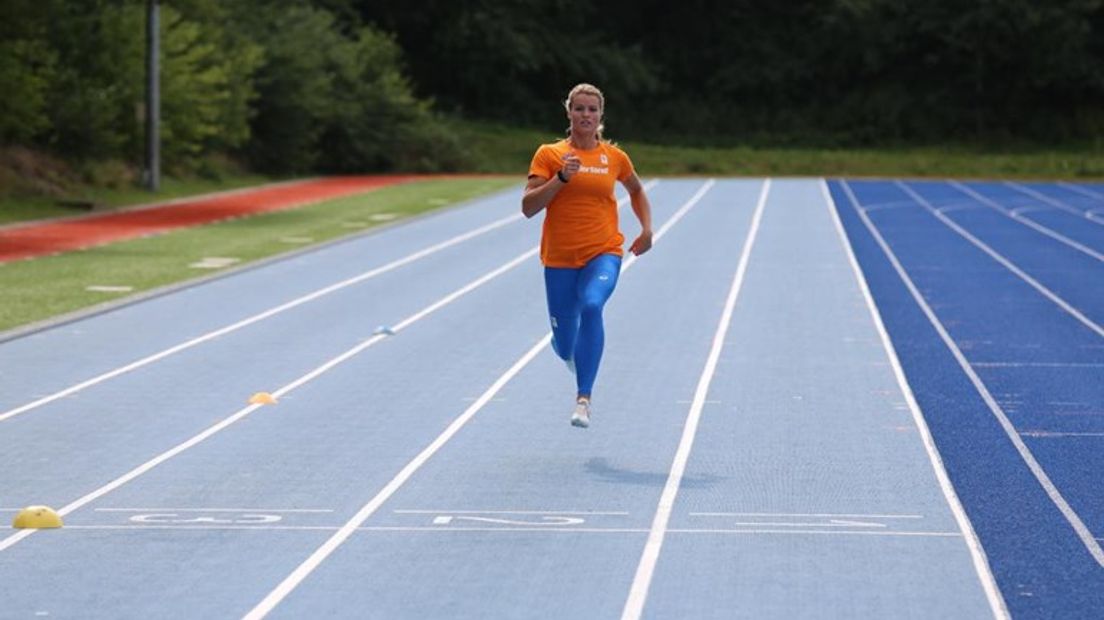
(27,67)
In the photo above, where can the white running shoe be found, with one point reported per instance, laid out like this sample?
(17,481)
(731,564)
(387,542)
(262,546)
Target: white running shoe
(581,416)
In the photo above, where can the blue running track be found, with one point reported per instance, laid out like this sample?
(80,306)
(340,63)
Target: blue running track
(1013,386)
(860,399)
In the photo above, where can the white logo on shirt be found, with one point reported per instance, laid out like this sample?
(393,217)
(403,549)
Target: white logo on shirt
(605,160)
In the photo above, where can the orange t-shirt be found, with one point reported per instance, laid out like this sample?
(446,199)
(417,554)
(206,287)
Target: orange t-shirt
(581,221)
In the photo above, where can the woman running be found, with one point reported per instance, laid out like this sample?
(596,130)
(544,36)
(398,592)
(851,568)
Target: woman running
(581,242)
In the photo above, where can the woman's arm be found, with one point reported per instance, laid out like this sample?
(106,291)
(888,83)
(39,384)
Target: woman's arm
(540,191)
(643,210)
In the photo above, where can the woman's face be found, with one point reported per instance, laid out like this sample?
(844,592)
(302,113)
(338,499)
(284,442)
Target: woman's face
(585,113)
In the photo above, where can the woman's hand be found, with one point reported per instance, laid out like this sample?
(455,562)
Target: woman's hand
(571,165)
(643,210)
(642,244)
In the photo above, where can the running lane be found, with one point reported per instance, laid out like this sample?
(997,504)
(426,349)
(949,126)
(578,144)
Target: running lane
(1059,207)
(821,499)
(1025,463)
(1056,266)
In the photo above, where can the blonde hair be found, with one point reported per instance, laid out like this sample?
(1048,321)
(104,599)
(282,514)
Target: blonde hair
(587,89)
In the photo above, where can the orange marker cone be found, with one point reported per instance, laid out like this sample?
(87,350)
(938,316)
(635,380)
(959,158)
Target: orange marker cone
(262,398)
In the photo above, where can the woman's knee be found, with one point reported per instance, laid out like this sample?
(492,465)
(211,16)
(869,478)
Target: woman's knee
(591,306)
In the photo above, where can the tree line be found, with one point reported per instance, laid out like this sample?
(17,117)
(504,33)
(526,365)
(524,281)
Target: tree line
(289,87)
(295,86)
(835,72)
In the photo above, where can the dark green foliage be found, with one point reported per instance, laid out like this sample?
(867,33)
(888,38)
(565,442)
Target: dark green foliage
(335,102)
(375,122)
(801,71)
(27,68)
(301,86)
(514,59)
(294,86)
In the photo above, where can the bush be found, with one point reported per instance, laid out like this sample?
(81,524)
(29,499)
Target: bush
(24,172)
(336,103)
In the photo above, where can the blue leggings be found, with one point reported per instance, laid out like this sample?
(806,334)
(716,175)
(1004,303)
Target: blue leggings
(575,301)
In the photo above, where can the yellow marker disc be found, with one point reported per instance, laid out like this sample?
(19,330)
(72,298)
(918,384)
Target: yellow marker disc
(37,517)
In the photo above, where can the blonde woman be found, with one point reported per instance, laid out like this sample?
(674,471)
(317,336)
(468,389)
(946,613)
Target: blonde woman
(572,180)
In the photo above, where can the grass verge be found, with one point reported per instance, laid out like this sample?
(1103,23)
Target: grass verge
(40,288)
(18,209)
(508,150)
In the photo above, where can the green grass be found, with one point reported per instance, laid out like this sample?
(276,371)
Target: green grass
(17,209)
(905,162)
(508,150)
(40,288)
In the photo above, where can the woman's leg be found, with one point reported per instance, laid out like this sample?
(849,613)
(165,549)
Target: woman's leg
(596,282)
(561,286)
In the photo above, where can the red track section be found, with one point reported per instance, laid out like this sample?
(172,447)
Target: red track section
(70,234)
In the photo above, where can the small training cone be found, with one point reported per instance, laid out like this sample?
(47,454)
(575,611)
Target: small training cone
(37,517)
(262,398)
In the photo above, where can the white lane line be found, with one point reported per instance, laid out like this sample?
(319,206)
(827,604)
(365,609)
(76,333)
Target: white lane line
(218,527)
(819,532)
(1037,365)
(567,530)
(1058,434)
(1018,210)
(1080,190)
(331,528)
(977,554)
(802,514)
(957,207)
(638,592)
(1013,435)
(897,204)
(1050,201)
(508,512)
(1015,215)
(265,510)
(145,361)
(619,530)
(308,566)
(832,523)
(1009,265)
(583,530)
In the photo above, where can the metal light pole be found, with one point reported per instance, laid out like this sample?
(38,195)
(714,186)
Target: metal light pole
(153,98)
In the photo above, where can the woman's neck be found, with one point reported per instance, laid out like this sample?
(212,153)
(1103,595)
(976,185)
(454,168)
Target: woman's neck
(583,142)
